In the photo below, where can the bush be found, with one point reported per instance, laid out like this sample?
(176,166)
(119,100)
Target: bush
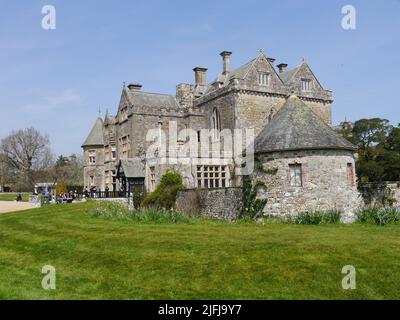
(307,217)
(113,210)
(61,188)
(164,196)
(378,216)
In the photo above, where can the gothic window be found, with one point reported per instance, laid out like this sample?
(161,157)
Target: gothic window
(263,78)
(92,156)
(91,180)
(295,173)
(212,177)
(305,84)
(216,123)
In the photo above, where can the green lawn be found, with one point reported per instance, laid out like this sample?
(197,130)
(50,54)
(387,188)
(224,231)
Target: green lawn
(12,196)
(109,259)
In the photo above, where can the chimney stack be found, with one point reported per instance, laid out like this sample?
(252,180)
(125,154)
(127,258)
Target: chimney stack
(200,76)
(226,59)
(282,67)
(134,86)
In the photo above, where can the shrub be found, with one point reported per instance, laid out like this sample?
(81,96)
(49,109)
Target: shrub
(164,196)
(252,206)
(378,216)
(317,217)
(61,188)
(113,210)
(307,217)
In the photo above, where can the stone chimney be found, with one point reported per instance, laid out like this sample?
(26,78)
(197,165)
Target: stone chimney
(282,67)
(226,59)
(134,86)
(200,76)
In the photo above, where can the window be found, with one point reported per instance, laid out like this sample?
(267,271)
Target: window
(350,174)
(124,146)
(152,178)
(92,156)
(216,123)
(212,177)
(113,152)
(295,173)
(305,84)
(91,180)
(263,78)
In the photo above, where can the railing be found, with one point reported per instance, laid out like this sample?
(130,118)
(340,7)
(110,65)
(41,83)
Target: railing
(103,194)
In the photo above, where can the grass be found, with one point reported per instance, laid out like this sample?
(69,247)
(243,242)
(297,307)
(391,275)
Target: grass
(12,196)
(100,258)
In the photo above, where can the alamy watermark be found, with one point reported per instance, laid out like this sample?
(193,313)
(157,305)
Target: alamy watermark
(49,280)
(349,281)
(191,147)
(349,18)
(49,19)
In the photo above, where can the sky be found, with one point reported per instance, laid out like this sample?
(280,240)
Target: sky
(57,80)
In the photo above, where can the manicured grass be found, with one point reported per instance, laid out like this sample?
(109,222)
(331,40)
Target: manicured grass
(12,196)
(97,258)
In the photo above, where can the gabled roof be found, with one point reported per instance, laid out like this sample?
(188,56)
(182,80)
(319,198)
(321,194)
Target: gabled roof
(297,127)
(132,168)
(148,99)
(95,137)
(288,74)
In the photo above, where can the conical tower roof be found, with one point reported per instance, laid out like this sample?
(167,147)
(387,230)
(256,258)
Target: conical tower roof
(297,127)
(95,137)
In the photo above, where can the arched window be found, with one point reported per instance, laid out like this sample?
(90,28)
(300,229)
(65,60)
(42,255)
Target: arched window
(216,122)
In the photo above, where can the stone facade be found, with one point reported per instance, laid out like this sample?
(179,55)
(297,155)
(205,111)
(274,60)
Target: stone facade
(223,203)
(248,97)
(326,182)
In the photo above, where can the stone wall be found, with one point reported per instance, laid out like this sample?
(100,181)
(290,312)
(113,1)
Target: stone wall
(325,183)
(384,194)
(225,203)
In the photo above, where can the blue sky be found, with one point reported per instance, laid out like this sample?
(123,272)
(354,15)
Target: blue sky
(55,80)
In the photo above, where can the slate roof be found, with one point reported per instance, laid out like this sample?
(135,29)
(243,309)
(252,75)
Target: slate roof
(95,137)
(148,99)
(288,74)
(133,168)
(297,127)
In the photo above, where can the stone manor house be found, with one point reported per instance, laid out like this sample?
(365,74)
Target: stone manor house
(288,109)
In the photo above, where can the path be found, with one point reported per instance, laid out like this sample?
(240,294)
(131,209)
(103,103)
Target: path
(9,206)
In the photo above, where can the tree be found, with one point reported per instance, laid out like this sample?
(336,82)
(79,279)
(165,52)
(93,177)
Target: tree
(367,133)
(69,169)
(27,151)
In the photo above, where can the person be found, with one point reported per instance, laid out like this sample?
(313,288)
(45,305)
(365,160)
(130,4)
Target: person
(18,197)
(107,192)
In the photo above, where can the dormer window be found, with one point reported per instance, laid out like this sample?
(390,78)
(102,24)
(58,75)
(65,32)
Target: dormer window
(305,84)
(263,78)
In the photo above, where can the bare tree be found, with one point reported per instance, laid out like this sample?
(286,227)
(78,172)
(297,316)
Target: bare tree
(27,151)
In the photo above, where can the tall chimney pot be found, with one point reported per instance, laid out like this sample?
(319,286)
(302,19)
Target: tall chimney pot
(226,59)
(200,76)
(282,67)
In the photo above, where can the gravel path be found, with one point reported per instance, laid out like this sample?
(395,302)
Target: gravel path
(9,206)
